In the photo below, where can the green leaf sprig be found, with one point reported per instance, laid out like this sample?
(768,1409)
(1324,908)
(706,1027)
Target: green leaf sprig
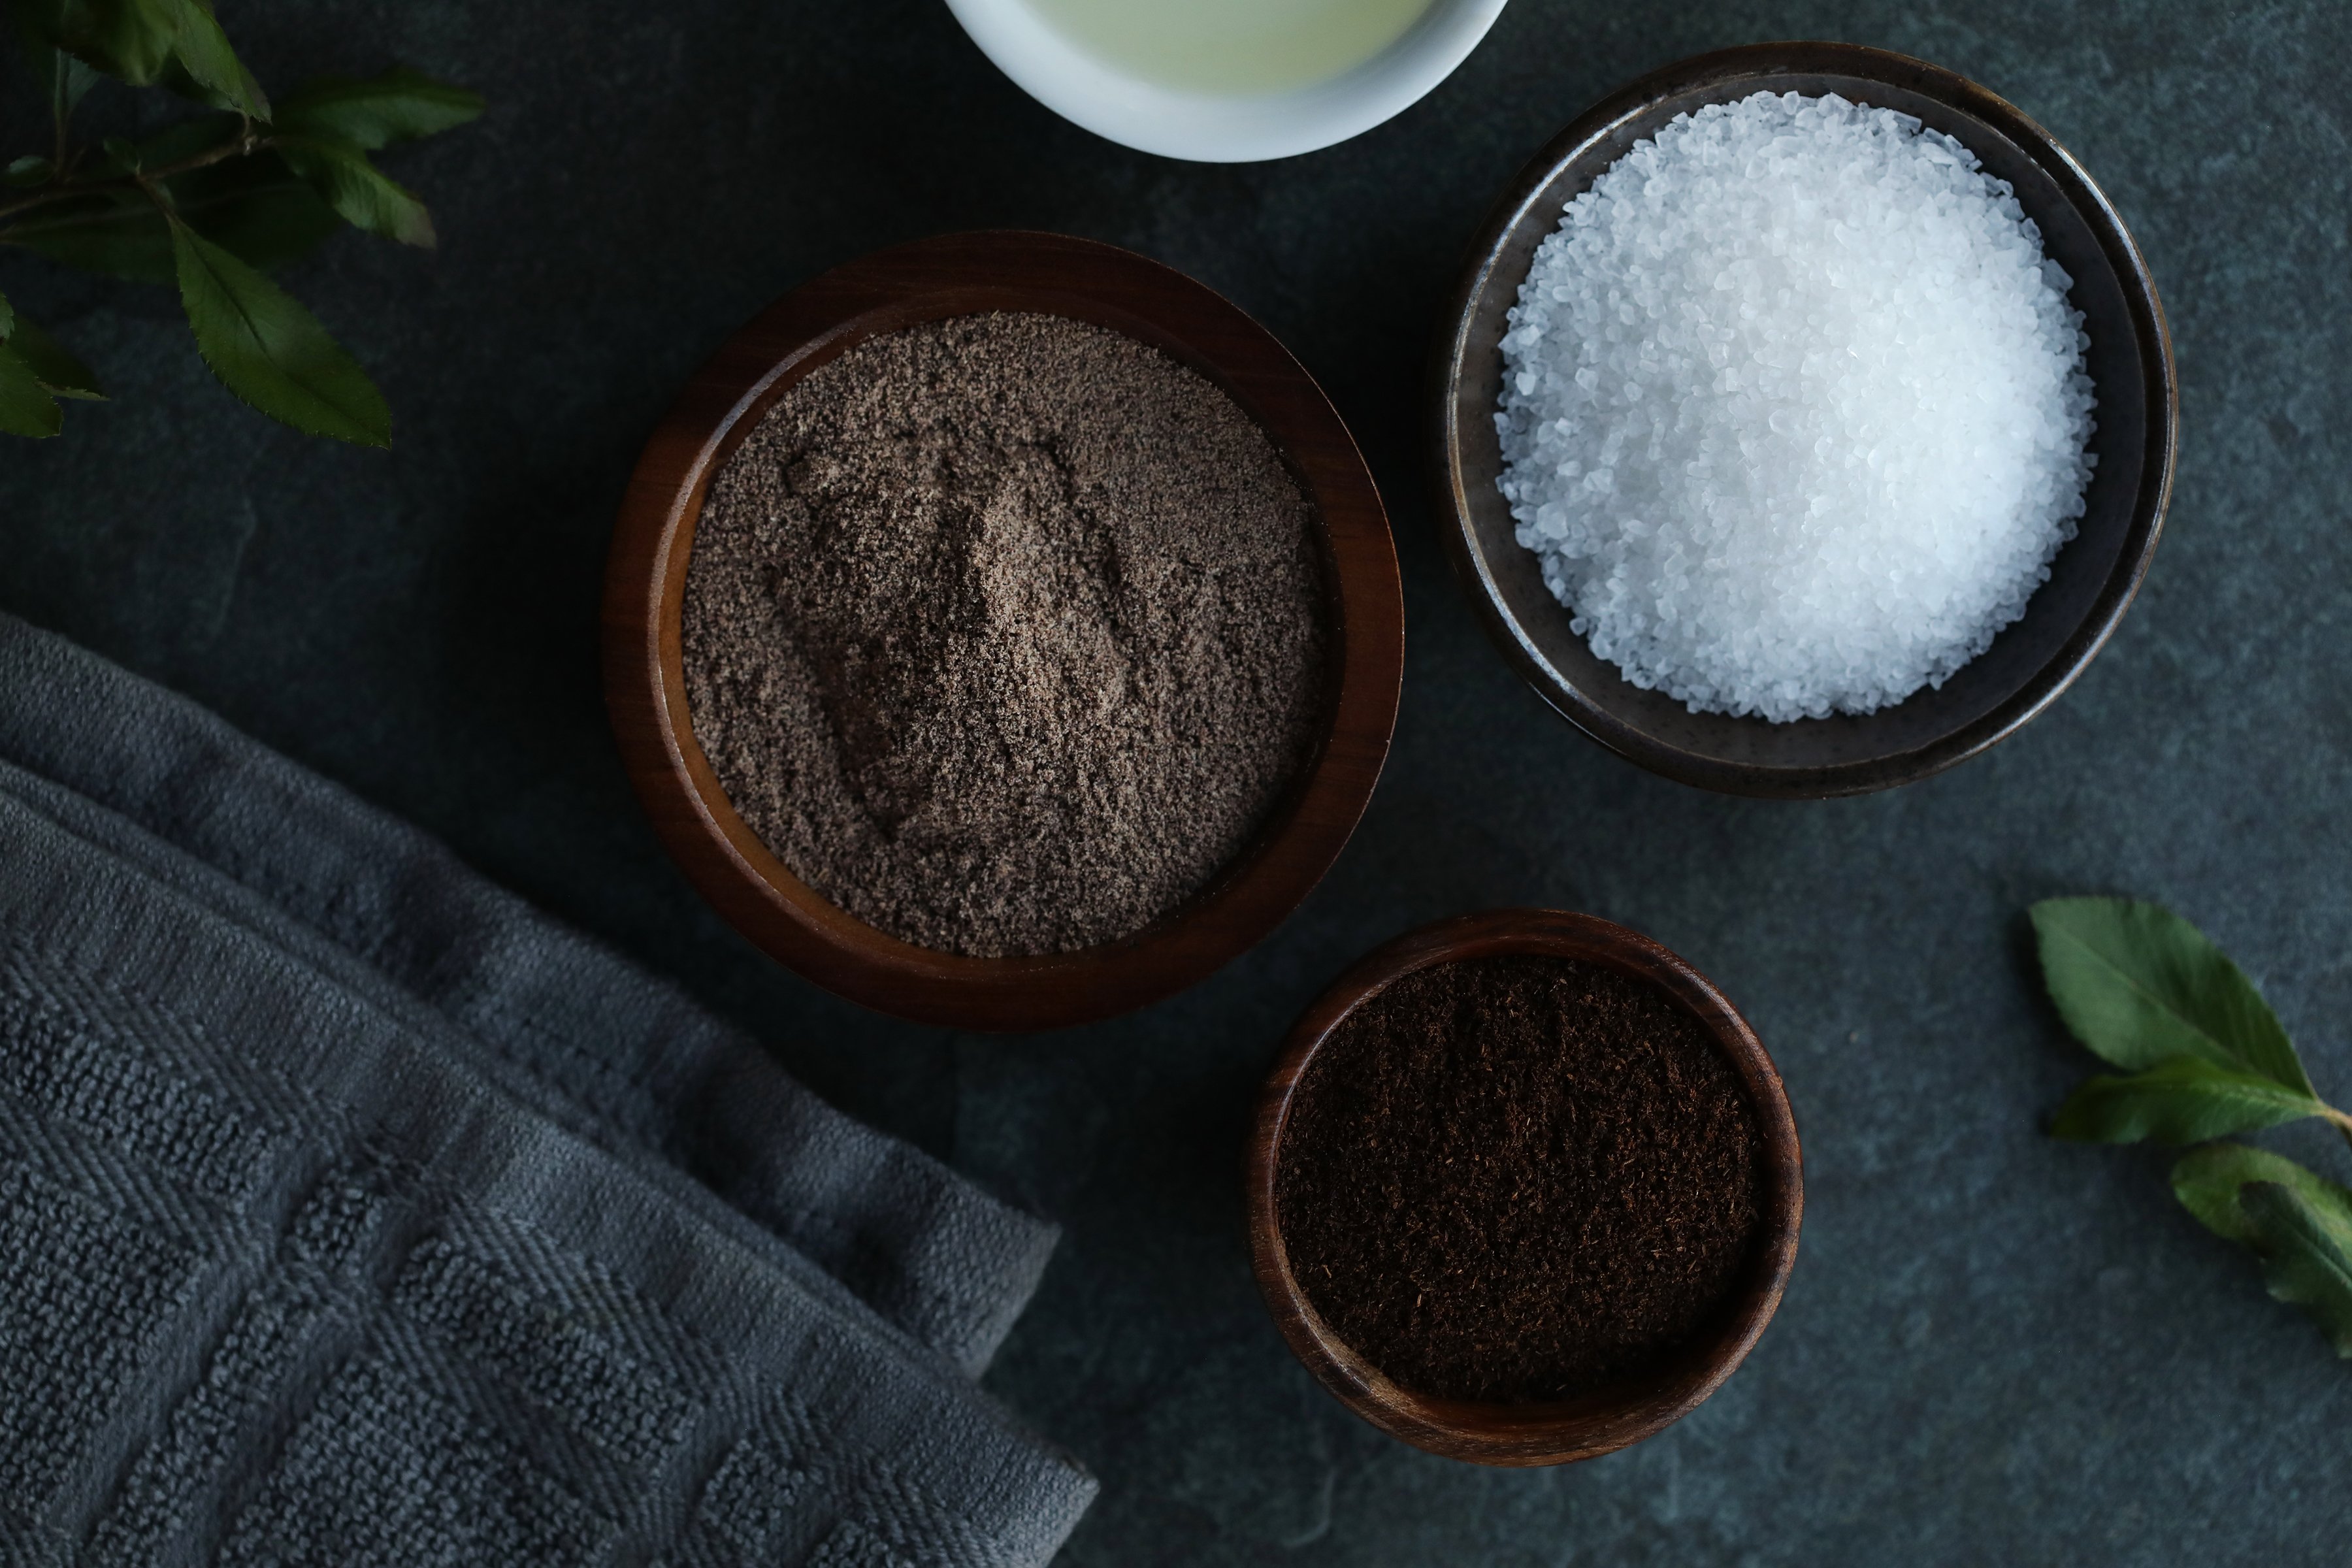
(208,205)
(2204,1057)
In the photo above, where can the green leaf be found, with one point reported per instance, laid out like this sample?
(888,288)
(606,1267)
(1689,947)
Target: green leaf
(203,52)
(2140,985)
(29,170)
(53,365)
(255,208)
(190,139)
(25,408)
(2306,1244)
(400,105)
(70,82)
(178,43)
(56,370)
(340,172)
(2184,1101)
(132,39)
(117,232)
(271,351)
(63,79)
(2206,1180)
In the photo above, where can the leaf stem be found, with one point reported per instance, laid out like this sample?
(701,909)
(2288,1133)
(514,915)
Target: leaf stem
(2342,1119)
(60,75)
(246,144)
(113,215)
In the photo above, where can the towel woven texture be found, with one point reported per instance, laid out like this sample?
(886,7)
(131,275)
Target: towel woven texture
(351,1212)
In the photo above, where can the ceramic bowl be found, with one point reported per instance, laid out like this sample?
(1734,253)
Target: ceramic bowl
(1608,1419)
(957,275)
(2092,578)
(1216,128)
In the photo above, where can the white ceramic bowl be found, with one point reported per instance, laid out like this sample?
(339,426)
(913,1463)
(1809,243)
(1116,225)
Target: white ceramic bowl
(1213,128)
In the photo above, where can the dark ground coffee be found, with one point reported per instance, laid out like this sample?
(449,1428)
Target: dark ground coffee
(1004,633)
(1517,1178)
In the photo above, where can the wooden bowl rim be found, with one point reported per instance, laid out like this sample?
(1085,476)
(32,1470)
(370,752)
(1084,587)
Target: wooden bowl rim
(934,279)
(1565,1431)
(1754,66)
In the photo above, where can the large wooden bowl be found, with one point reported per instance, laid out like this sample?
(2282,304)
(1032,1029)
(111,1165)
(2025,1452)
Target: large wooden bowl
(957,275)
(1599,1423)
(2068,619)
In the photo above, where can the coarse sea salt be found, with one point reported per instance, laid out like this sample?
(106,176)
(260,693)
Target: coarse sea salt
(1794,410)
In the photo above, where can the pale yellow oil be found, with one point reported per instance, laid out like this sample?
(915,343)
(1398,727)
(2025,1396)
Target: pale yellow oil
(1240,47)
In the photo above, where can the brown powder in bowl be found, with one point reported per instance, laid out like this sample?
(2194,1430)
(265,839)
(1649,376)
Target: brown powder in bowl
(1517,1178)
(1004,633)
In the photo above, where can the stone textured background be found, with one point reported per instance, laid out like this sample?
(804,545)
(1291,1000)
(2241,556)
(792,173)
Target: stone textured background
(1996,1348)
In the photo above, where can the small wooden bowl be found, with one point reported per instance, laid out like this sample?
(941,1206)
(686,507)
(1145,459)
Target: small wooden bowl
(2069,618)
(956,275)
(1594,1424)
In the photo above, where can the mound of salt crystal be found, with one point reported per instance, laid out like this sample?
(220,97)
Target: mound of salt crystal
(1793,409)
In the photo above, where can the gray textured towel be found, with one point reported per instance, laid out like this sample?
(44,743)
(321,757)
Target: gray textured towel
(351,1211)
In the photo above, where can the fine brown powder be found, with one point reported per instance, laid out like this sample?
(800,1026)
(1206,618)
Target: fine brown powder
(1517,1178)
(1004,633)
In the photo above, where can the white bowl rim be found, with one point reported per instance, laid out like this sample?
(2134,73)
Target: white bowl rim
(1211,128)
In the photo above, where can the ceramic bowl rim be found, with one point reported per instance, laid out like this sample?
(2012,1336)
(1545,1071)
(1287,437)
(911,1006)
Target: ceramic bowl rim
(929,280)
(1209,128)
(1538,1434)
(1723,74)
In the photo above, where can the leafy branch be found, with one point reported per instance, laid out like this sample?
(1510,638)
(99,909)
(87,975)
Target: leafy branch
(2204,1057)
(208,205)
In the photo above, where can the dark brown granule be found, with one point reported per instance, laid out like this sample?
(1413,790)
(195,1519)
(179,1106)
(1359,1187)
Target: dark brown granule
(1517,1178)
(1004,633)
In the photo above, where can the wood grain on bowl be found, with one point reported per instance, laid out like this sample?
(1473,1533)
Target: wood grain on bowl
(1594,1424)
(964,274)
(2092,577)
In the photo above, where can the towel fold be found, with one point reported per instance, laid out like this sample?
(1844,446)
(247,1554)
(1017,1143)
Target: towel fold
(352,1212)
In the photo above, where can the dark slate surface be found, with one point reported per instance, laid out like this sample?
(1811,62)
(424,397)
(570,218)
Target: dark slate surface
(1996,1348)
